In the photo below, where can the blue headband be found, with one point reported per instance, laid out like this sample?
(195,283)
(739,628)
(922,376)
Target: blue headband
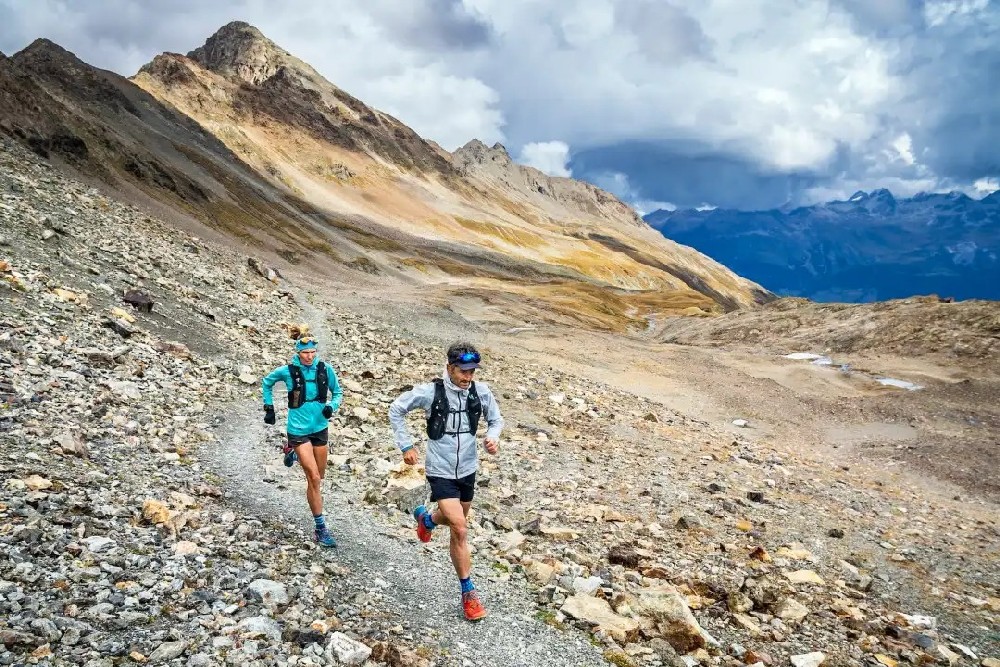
(305,343)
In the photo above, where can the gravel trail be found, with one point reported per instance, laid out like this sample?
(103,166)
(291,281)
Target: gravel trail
(417,583)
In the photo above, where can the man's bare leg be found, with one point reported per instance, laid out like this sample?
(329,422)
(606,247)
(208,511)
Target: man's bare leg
(452,513)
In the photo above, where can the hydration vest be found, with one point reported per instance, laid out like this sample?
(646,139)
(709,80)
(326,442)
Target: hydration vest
(437,420)
(297,393)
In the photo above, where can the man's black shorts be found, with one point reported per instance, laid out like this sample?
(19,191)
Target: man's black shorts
(318,439)
(463,488)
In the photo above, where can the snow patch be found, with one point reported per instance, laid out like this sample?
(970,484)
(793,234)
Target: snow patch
(802,356)
(901,384)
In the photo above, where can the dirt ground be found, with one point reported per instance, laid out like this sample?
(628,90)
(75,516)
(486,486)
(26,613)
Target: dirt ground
(943,438)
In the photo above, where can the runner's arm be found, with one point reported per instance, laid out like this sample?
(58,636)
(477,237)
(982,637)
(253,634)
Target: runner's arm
(336,393)
(494,420)
(420,396)
(272,378)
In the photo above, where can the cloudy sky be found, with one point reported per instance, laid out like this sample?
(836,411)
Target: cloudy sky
(735,103)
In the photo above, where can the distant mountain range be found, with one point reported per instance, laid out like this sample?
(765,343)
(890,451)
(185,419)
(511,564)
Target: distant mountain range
(870,247)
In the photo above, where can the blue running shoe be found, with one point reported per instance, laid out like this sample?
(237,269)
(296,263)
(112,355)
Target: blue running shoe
(324,538)
(290,456)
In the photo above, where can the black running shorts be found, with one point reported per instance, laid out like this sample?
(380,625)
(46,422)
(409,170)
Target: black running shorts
(463,488)
(318,439)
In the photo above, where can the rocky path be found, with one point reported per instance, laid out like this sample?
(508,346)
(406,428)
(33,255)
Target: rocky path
(415,582)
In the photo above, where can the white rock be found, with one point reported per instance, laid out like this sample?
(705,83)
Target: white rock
(269,592)
(98,543)
(804,577)
(185,548)
(511,540)
(918,621)
(125,389)
(345,650)
(741,423)
(167,651)
(71,443)
(598,612)
(260,626)
(36,483)
(791,609)
(587,586)
(814,659)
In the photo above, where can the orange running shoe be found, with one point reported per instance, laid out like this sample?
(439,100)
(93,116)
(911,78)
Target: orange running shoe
(423,532)
(474,609)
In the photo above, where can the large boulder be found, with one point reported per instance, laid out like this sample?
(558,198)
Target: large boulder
(674,621)
(598,612)
(407,487)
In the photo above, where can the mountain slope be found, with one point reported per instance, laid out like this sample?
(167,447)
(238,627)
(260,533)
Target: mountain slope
(279,115)
(246,141)
(870,247)
(103,127)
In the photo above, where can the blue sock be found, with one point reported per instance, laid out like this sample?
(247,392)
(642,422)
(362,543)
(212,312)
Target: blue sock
(428,522)
(467,585)
(320,522)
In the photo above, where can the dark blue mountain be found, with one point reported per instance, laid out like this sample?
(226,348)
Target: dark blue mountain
(869,248)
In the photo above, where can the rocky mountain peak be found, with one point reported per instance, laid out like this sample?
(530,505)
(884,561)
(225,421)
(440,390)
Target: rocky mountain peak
(240,50)
(475,152)
(170,68)
(45,53)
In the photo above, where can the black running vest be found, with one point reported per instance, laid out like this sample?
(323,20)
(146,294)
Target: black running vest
(297,394)
(437,420)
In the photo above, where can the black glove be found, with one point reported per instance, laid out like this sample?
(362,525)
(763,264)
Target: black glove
(269,414)
(327,411)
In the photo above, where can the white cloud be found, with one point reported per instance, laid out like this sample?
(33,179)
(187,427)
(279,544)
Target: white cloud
(644,206)
(783,84)
(904,148)
(550,157)
(618,184)
(448,109)
(938,12)
(985,186)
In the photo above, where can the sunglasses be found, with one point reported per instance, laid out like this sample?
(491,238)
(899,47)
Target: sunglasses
(308,339)
(465,358)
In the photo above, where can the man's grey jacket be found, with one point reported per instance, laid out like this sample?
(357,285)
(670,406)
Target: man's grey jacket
(453,456)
